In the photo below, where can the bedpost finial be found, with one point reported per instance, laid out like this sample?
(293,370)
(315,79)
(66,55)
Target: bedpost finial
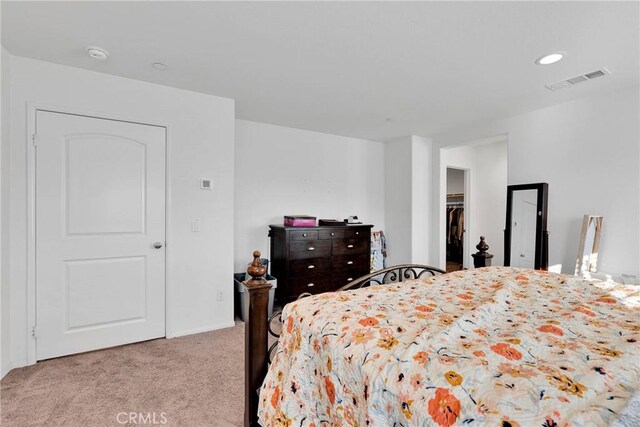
(256,270)
(482,246)
(482,258)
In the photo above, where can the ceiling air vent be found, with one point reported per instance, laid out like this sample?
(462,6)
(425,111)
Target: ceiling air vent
(577,79)
(594,74)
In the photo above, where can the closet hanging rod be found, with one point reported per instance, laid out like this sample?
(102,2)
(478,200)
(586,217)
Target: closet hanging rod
(456,195)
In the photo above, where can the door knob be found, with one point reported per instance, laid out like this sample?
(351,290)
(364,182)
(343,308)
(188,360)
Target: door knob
(157,245)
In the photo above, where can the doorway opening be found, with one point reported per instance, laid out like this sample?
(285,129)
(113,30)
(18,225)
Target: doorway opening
(472,202)
(454,217)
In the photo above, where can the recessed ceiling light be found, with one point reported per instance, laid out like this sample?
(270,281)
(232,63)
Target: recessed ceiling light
(159,66)
(97,53)
(551,58)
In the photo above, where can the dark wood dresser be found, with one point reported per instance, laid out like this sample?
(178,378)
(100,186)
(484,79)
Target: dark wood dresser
(318,259)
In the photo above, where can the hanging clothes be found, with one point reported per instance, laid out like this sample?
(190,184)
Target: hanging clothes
(378,250)
(455,232)
(460,224)
(455,224)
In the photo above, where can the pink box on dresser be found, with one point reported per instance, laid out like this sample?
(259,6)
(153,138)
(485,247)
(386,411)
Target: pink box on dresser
(299,221)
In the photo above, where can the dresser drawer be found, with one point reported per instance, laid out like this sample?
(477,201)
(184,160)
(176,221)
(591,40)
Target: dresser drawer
(349,246)
(313,284)
(332,234)
(306,267)
(357,232)
(303,249)
(341,278)
(358,262)
(303,235)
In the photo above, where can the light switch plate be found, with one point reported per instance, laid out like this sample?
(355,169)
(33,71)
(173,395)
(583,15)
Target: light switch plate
(195,225)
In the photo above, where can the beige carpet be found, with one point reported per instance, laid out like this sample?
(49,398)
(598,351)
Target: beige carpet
(196,381)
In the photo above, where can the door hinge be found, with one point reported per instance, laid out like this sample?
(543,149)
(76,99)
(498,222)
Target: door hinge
(34,140)
(34,333)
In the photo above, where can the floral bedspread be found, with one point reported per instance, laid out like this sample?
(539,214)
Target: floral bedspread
(494,346)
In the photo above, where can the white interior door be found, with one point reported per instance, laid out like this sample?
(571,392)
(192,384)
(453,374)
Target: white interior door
(100,213)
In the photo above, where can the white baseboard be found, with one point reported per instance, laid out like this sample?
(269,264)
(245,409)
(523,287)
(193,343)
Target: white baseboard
(11,366)
(208,328)
(4,371)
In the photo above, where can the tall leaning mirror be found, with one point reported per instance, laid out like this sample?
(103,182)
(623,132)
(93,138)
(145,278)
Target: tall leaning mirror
(526,238)
(587,260)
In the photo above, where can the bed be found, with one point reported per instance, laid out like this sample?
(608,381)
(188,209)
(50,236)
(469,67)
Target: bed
(493,346)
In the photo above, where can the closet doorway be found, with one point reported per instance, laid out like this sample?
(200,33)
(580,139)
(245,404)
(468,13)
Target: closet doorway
(473,179)
(457,183)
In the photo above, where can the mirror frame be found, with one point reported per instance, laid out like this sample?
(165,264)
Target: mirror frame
(591,266)
(541,261)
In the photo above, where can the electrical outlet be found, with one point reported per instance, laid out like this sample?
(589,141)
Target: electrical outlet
(220,295)
(195,225)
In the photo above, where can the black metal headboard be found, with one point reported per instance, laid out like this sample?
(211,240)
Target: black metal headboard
(394,274)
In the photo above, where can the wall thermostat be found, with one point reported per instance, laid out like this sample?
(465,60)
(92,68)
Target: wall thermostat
(205,184)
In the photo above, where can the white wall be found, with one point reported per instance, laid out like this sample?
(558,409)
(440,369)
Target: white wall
(281,171)
(421,199)
(408,199)
(588,151)
(2,154)
(200,136)
(455,181)
(397,205)
(5,336)
(491,203)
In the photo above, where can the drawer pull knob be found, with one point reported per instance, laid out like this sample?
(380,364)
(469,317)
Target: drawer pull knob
(333,234)
(304,234)
(311,285)
(311,248)
(349,246)
(357,232)
(311,266)
(349,262)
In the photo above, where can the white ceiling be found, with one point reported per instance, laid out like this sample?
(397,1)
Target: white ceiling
(343,67)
